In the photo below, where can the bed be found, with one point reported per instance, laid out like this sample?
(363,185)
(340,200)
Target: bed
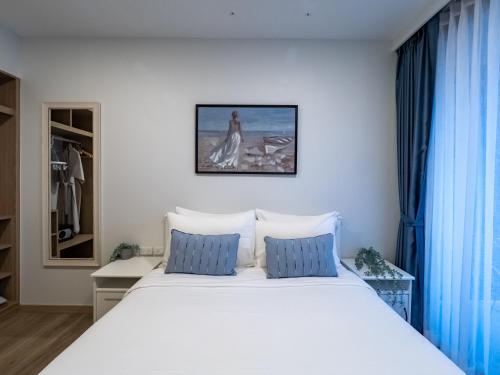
(248,324)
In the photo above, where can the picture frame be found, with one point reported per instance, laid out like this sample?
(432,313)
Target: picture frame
(246,139)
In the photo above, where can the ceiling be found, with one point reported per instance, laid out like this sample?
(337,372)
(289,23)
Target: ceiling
(252,19)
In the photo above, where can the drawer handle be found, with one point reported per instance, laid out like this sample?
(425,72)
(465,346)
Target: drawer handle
(112,299)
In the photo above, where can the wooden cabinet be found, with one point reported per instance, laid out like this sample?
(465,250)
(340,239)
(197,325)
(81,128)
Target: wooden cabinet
(71,190)
(9,190)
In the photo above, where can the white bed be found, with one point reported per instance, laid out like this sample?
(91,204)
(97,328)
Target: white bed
(247,324)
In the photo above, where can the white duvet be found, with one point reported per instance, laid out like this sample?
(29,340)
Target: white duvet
(247,324)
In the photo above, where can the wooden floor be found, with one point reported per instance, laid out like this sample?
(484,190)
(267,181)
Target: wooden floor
(30,339)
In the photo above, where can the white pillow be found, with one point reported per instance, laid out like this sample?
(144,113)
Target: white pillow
(246,215)
(306,220)
(274,216)
(187,212)
(291,230)
(243,224)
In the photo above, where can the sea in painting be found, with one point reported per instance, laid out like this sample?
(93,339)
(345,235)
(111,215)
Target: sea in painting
(246,139)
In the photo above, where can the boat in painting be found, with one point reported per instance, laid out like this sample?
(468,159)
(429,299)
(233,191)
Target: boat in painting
(276,143)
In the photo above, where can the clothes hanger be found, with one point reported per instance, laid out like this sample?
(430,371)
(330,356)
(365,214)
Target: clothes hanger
(85,153)
(82,151)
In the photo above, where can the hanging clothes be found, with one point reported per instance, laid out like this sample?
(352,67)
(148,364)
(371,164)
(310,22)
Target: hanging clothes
(75,180)
(66,187)
(55,180)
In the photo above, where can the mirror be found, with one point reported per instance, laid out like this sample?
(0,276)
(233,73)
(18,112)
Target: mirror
(72,189)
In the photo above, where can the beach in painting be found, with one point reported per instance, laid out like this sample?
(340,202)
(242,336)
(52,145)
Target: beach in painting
(252,153)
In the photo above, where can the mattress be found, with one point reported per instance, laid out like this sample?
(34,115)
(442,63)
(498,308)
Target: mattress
(248,324)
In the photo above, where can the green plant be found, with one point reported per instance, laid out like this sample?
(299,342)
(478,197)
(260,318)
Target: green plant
(376,266)
(117,251)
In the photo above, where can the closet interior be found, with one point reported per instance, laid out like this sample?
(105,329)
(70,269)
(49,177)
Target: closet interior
(9,191)
(73,184)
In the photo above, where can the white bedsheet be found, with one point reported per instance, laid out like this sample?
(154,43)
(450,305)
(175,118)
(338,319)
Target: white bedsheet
(246,324)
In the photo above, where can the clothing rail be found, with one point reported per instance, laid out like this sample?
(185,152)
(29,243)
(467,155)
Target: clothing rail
(58,138)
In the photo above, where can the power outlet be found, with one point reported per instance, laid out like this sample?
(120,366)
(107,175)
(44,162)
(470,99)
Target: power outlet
(158,250)
(146,251)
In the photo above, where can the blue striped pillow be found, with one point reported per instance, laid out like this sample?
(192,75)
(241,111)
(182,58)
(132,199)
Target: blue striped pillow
(203,254)
(312,256)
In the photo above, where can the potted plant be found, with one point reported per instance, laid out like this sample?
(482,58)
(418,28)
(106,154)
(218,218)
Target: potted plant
(124,251)
(376,266)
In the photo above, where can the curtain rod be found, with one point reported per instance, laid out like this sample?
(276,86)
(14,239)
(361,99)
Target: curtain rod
(58,138)
(420,20)
(454,9)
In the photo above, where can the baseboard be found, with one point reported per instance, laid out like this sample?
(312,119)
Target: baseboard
(61,309)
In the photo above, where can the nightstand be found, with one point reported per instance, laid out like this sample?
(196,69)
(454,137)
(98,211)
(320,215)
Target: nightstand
(396,292)
(112,281)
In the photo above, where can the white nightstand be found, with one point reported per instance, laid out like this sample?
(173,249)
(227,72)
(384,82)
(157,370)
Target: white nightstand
(396,292)
(112,281)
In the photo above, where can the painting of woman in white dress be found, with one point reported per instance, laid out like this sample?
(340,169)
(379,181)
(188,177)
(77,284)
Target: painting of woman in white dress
(227,154)
(246,139)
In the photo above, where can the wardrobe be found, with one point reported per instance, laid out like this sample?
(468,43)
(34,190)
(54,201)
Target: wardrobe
(71,186)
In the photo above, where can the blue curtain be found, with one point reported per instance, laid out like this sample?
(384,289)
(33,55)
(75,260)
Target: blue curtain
(414,100)
(462,225)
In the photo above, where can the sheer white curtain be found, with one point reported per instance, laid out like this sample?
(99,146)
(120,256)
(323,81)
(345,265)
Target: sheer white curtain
(462,242)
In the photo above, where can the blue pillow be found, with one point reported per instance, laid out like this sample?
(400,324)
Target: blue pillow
(300,257)
(203,254)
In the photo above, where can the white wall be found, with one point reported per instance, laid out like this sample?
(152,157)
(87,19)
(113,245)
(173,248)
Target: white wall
(10,46)
(148,90)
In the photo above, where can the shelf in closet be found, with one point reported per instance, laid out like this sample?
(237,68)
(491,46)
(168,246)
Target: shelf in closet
(5,275)
(78,239)
(9,187)
(7,110)
(5,246)
(65,130)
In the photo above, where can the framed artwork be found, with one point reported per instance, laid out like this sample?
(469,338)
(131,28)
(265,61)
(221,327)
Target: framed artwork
(246,139)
